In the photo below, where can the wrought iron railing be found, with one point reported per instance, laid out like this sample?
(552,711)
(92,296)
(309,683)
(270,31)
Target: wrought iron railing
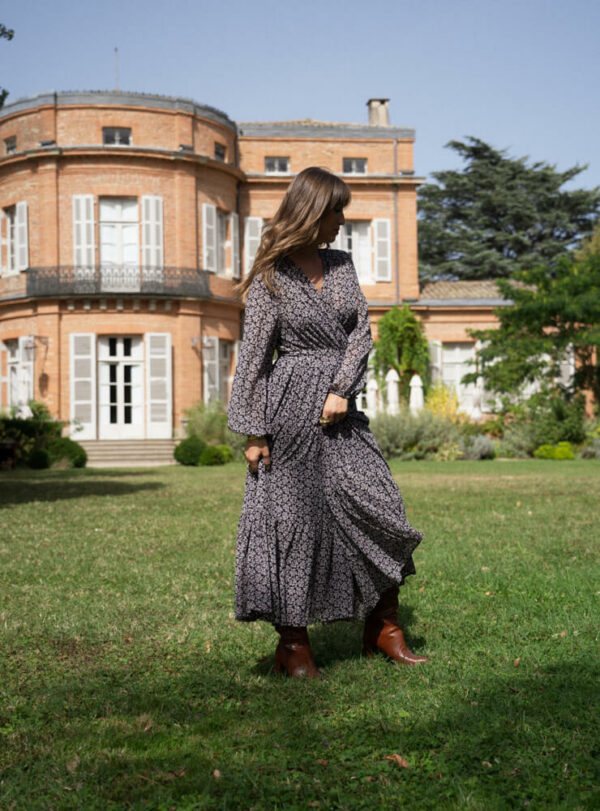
(120,280)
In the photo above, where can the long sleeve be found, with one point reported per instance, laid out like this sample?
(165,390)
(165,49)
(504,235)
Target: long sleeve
(351,375)
(247,403)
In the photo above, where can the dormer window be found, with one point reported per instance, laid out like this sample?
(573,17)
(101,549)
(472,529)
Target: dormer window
(10,145)
(220,152)
(116,136)
(277,166)
(354,166)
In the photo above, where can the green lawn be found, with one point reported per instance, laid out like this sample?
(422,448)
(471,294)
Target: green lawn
(125,681)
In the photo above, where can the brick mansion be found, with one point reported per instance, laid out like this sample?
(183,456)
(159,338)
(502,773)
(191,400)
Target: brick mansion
(125,220)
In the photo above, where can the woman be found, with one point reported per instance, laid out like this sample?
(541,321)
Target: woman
(323,534)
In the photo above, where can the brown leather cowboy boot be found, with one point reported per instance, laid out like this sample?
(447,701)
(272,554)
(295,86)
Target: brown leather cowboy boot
(293,653)
(382,631)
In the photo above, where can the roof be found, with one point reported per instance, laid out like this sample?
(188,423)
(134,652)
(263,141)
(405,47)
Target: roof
(307,128)
(481,288)
(482,292)
(119,98)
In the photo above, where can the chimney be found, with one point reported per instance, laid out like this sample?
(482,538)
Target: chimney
(379,114)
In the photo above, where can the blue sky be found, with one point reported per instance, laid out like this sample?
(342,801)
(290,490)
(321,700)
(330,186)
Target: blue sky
(521,74)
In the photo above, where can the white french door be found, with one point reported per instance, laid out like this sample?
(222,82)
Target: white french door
(121,387)
(119,244)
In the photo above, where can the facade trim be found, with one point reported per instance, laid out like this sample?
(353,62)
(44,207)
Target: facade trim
(103,98)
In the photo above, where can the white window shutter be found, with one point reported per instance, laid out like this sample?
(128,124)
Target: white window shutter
(3,242)
(210,368)
(83,231)
(152,232)
(225,378)
(252,234)
(383,253)
(22,237)
(209,236)
(436,359)
(83,385)
(234,229)
(26,354)
(3,376)
(159,398)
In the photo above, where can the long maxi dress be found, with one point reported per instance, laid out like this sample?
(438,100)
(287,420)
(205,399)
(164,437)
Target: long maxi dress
(323,533)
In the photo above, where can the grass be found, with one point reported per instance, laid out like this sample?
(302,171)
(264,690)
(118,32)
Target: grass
(125,681)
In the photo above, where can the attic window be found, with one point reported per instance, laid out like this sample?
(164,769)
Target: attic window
(10,145)
(277,165)
(116,136)
(220,152)
(354,166)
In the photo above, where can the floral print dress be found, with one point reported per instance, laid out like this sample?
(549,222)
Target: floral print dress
(323,532)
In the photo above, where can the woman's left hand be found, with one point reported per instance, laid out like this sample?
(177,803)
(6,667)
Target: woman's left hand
(335,408)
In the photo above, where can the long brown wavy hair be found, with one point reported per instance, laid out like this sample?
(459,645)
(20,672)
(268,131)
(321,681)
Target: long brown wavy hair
(310,195)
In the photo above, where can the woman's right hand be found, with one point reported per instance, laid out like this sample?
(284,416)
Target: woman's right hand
(254,450)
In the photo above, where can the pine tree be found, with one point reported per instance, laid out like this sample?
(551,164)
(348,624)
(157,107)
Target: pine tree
(5,33)
(499,215)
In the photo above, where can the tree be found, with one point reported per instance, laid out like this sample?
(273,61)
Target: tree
(5,33)
(590,244)
(499,215)
(556,311)
(401,345)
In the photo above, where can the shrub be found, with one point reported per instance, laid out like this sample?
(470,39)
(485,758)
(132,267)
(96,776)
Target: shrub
(591,450)
(189,451)
(29,435)
(38,459)
(226,452)
(413,436)
(65,449)
(442,401)
(448,453)
(555,419)
(477,447)
(213,455)
(209,422)
(547,418)
(564,450)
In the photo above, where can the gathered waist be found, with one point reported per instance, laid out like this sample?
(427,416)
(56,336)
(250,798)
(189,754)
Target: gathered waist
(317,350)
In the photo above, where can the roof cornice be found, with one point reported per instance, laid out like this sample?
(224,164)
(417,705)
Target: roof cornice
(117,98)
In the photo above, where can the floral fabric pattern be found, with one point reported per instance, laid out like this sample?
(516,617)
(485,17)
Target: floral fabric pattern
(323,533)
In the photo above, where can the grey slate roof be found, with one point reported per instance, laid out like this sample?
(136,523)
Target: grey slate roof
(307,128)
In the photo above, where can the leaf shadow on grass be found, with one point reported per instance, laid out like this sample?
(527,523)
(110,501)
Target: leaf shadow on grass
(24,490)
(135,728)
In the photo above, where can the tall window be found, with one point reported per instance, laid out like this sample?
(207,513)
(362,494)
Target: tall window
(220,241)
(119,231)
(19,370)
(14,240)
(216,360)
(11,237)
(354,166)
(220,152)
(357,235)
(10,145)
(277,165)
(368,243)
(222,222)
(116,136)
